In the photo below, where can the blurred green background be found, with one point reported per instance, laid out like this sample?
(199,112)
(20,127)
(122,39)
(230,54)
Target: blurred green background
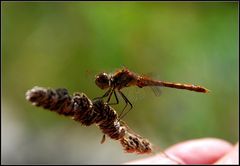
(55,44)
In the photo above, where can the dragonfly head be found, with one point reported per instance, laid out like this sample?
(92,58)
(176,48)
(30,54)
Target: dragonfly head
(102,80)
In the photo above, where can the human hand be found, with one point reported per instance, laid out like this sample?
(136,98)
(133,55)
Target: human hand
(197,151)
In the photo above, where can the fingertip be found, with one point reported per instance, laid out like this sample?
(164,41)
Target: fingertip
(200,151)
(156,159)
(231,157)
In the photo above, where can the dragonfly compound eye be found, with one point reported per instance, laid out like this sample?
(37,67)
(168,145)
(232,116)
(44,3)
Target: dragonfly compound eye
(102,81)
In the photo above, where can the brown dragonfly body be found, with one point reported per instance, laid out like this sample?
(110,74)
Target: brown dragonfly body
(126,78)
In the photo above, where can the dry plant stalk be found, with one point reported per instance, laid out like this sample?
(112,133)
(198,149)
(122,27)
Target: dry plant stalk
(87,112)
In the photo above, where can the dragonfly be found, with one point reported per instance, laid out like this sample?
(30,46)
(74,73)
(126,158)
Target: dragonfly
(122,78)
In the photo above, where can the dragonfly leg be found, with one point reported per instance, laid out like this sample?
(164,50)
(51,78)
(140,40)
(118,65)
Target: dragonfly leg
(121,115)
(105,95)
(116,98)
(109,97)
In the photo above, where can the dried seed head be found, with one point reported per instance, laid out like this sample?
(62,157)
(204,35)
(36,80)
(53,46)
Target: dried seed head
(56,100)
(134,143)
(83,110)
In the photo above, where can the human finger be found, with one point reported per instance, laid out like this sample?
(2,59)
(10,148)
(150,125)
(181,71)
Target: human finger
(197,151)
(200,151)
(231,157)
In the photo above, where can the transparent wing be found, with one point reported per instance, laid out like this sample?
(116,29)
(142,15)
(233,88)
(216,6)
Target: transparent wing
(136,94)
(156,90)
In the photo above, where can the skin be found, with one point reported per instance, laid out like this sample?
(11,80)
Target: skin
(198,151)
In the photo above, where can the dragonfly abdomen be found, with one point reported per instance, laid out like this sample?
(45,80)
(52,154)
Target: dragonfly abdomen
(185,86)
(149,82)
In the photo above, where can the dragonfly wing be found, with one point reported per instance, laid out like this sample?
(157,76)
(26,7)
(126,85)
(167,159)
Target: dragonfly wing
(132,93)
(156,90)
